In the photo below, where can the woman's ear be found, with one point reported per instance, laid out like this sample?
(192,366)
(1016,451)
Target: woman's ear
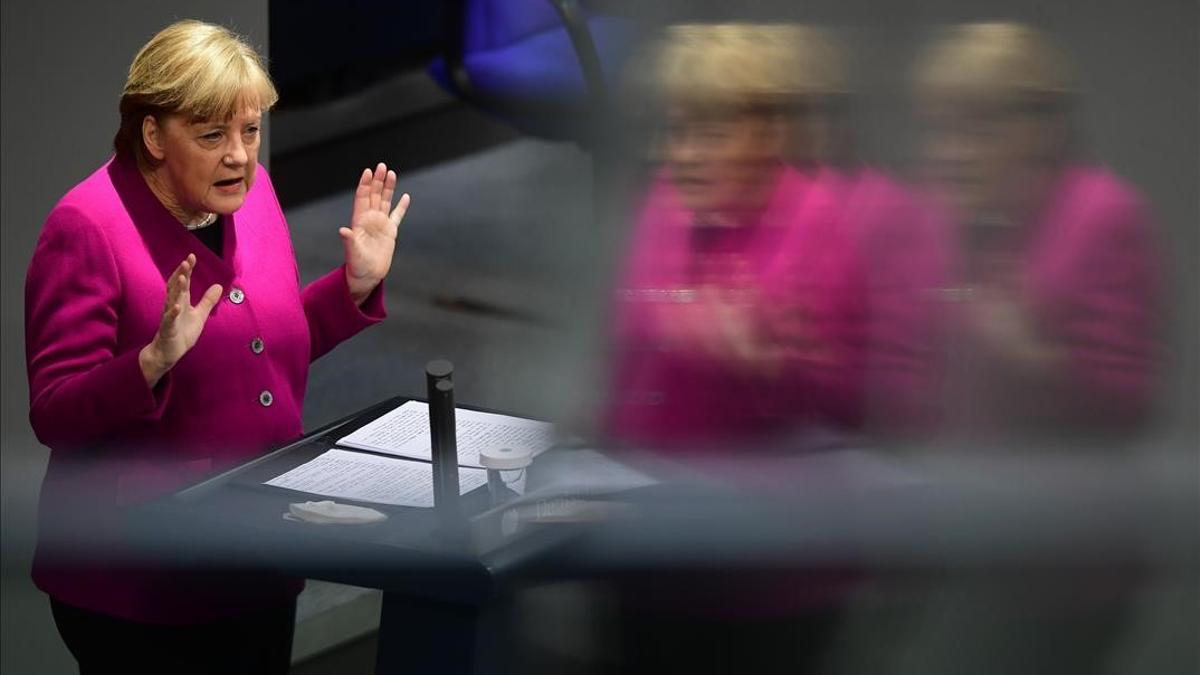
(1056,138)
(775,135)
(152,137)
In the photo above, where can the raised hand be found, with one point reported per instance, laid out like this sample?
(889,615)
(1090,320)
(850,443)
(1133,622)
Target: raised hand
(709,324)
(370,240)
(181,323)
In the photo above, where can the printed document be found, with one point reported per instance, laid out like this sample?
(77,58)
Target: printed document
(370,478)
(405,432)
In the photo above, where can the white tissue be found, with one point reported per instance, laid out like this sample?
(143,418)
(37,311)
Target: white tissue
(331,513)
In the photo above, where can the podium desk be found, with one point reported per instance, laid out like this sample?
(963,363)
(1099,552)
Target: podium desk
(443,594)
(442,589)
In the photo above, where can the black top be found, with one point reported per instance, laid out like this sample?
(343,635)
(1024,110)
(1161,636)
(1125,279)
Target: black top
(212,236)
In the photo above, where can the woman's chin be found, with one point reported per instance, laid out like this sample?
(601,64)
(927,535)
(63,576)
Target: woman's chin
(697,201)
(225,205)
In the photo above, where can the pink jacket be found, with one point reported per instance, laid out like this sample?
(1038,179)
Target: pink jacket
(94,295)
(906,257)
(1086,267)
(796,270)
(1091,276)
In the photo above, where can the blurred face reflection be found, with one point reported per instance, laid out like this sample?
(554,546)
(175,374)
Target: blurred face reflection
(984,157)
(722,161)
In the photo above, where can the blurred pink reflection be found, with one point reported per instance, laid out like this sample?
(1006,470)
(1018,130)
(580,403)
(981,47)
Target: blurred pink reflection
(740,314)
(1050,284)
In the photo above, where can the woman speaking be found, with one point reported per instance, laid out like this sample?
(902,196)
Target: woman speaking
(168,336)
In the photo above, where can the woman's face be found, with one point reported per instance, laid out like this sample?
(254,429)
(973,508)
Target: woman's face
(721,162)
(982,156)
(208,165)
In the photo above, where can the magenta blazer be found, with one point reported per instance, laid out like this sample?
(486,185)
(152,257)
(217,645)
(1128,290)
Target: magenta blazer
(1087,268)
(1091,273)
(906,256)
(796,265)
(94,296)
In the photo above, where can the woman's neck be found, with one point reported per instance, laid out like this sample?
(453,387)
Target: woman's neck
(158,186)
(751,205)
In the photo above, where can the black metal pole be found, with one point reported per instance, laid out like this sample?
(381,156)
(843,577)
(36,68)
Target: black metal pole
(444,441)
(435,371)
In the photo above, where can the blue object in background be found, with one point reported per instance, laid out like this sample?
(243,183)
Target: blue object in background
(544,66)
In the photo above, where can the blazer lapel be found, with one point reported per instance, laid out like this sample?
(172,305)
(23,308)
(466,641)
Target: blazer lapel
(167,241)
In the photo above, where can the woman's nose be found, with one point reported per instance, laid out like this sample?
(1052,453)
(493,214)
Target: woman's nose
(684,151)
(237,155)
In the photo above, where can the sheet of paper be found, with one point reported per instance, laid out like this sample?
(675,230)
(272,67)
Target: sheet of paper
(405,432)
(369,478)
(583,473)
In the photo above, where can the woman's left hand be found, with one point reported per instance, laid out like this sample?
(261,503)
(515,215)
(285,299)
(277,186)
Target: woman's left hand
(1006,324)
(370,240)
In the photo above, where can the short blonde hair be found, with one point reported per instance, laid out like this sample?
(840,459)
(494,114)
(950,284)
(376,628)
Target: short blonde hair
(995,63)
(190,68)
(747,64)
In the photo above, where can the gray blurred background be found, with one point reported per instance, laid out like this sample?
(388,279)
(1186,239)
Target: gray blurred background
(498,261)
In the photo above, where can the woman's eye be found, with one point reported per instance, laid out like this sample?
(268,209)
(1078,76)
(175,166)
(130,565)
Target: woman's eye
(251,131)
(212,136)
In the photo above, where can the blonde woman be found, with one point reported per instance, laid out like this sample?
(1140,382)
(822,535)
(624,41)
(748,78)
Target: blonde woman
(167,337)
(1050,268)
(739,321)
(890,224)
(736,313)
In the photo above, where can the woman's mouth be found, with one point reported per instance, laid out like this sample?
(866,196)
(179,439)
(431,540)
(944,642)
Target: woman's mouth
(691,184)
(229,185)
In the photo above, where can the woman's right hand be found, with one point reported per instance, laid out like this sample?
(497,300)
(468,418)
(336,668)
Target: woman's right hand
(181,323)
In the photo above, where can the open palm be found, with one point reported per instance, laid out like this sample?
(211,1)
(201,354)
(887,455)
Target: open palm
(181,323)
(370,240)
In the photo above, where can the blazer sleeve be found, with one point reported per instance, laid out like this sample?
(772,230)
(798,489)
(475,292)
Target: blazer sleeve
(81,388)
(905,250)
(812,314)
(332,314)
(1111,328)
(818,338)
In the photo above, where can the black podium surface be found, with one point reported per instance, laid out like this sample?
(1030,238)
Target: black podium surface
(440,584)
(815,506)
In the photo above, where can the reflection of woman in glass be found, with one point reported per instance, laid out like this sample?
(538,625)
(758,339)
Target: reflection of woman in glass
(1049,293)
(1053,282)
(737,312)
(892,230)
(739,319)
